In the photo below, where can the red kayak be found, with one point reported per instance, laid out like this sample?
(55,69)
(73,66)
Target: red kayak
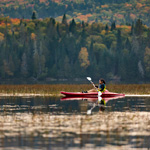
(92,94)
(90,99)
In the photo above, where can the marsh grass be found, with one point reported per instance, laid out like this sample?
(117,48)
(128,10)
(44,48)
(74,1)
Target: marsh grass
(42,89)
(130,88)
(55,89)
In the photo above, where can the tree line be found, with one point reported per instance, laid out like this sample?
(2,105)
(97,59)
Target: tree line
(105,11)
(44,48)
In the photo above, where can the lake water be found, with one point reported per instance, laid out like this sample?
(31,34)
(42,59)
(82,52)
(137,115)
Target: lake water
(55,123)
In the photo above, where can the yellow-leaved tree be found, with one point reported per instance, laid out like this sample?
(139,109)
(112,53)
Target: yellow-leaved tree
(33,36)
(83,58)
(1,37)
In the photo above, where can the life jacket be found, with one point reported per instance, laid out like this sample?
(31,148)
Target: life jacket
(102,90)
(103,102)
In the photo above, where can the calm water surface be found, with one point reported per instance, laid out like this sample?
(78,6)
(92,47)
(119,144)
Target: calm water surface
(54,123)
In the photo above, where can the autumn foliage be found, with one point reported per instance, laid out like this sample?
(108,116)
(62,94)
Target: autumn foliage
(106,11)
(83,57)
(44,49)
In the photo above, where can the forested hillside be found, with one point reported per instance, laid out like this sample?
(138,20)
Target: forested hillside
(43,49)
(106,11)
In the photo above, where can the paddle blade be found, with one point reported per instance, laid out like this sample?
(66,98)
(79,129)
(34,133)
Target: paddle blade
(99,94)
(99,99)
(89,78)
(89,112)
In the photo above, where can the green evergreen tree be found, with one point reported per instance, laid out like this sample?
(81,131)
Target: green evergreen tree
(64,19)
(33,16)
(113,26)
(118,52)
(83,24)
(72,26)
(127,44)
(148,38)
(106,28)
(24,67)
(58,30)
(138,28)
(132,28)
(119,41)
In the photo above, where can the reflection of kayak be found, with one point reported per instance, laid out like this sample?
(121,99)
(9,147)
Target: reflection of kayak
(92,94)
(90,99)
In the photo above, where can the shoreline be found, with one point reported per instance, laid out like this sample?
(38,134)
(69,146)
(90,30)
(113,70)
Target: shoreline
(28,95)
(137,95)
(54,90)
(56,95)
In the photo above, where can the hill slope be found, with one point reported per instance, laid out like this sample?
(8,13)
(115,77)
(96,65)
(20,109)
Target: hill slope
(43,49)
(105,11)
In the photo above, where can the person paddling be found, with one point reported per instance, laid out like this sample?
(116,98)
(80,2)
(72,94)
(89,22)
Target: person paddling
(101,87)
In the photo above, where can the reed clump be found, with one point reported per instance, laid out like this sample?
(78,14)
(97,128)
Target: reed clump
(55,89)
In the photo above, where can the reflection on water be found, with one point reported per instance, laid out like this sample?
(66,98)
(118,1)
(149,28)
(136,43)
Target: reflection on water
(51,123)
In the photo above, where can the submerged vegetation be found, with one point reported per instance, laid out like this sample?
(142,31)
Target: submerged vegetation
(54,90)
(129,130)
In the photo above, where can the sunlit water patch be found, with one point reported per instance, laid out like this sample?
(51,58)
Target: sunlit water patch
(54,123)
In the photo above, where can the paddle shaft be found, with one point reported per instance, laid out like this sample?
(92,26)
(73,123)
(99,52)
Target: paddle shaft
(90,111)
(95,104)
(99,93)
(94,85)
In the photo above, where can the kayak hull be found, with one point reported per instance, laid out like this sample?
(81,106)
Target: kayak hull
(90,99)
(92,94)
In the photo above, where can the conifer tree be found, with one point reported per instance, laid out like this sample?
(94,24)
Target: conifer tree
(24,69)
(119,41)
(33,16)
(113,26)
(132,28)
(148,38)
(72,26)
(118,52)
(127,44)
(138,28)
(106,28)
(64,19)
